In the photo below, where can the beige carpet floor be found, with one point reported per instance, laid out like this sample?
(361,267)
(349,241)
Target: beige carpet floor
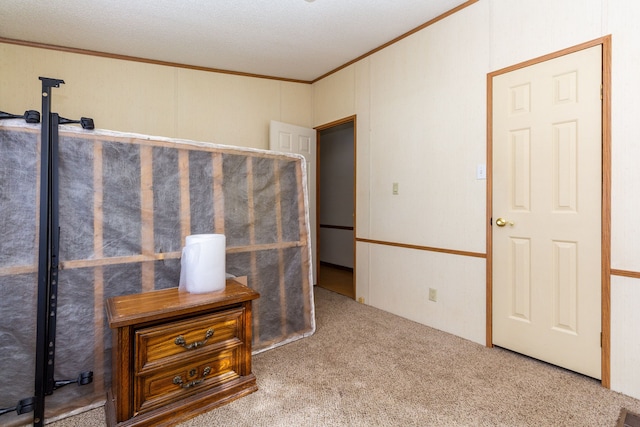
(366,367)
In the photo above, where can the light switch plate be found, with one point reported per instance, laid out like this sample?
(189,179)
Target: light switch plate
(481,171)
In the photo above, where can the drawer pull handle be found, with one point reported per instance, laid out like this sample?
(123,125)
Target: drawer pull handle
(178,379)
(181,341)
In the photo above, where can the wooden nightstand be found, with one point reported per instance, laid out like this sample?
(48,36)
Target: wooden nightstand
(176,355)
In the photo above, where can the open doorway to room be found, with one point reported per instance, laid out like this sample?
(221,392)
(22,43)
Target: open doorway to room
(336,206)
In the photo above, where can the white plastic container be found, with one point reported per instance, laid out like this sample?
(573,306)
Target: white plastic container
(202,267)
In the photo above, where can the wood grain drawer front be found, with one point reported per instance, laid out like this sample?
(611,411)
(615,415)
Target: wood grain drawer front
(180,381)
(158,345)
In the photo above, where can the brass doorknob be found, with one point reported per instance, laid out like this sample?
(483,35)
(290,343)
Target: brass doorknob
(501,222)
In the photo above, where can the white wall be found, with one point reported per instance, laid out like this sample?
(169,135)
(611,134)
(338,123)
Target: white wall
(152,99)
(421,123)
(620,20)
(421,115)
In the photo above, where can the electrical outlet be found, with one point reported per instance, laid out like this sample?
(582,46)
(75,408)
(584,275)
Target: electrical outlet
(433,295)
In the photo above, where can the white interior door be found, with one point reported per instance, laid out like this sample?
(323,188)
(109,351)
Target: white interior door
(546,234)
(287,138)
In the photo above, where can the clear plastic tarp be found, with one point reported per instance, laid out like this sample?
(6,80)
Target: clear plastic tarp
(127,202)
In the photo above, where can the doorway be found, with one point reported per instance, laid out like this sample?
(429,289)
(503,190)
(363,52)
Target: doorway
(549,184)
(336,206)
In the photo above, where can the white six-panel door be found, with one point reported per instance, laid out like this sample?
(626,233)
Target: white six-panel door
(288,138)
(546,225)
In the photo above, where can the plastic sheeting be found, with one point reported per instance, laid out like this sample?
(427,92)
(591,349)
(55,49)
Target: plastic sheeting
(127,202)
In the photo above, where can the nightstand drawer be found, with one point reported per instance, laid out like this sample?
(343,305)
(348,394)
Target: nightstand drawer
(159,345)
(170,384)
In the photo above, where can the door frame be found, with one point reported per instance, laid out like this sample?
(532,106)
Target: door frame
(349,119)
(605,245)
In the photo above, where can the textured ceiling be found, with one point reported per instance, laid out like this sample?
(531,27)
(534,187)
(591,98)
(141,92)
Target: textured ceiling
(292,39)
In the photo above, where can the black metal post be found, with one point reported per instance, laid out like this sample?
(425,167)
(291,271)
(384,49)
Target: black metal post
(47,243)
(48,257)
(54,232)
